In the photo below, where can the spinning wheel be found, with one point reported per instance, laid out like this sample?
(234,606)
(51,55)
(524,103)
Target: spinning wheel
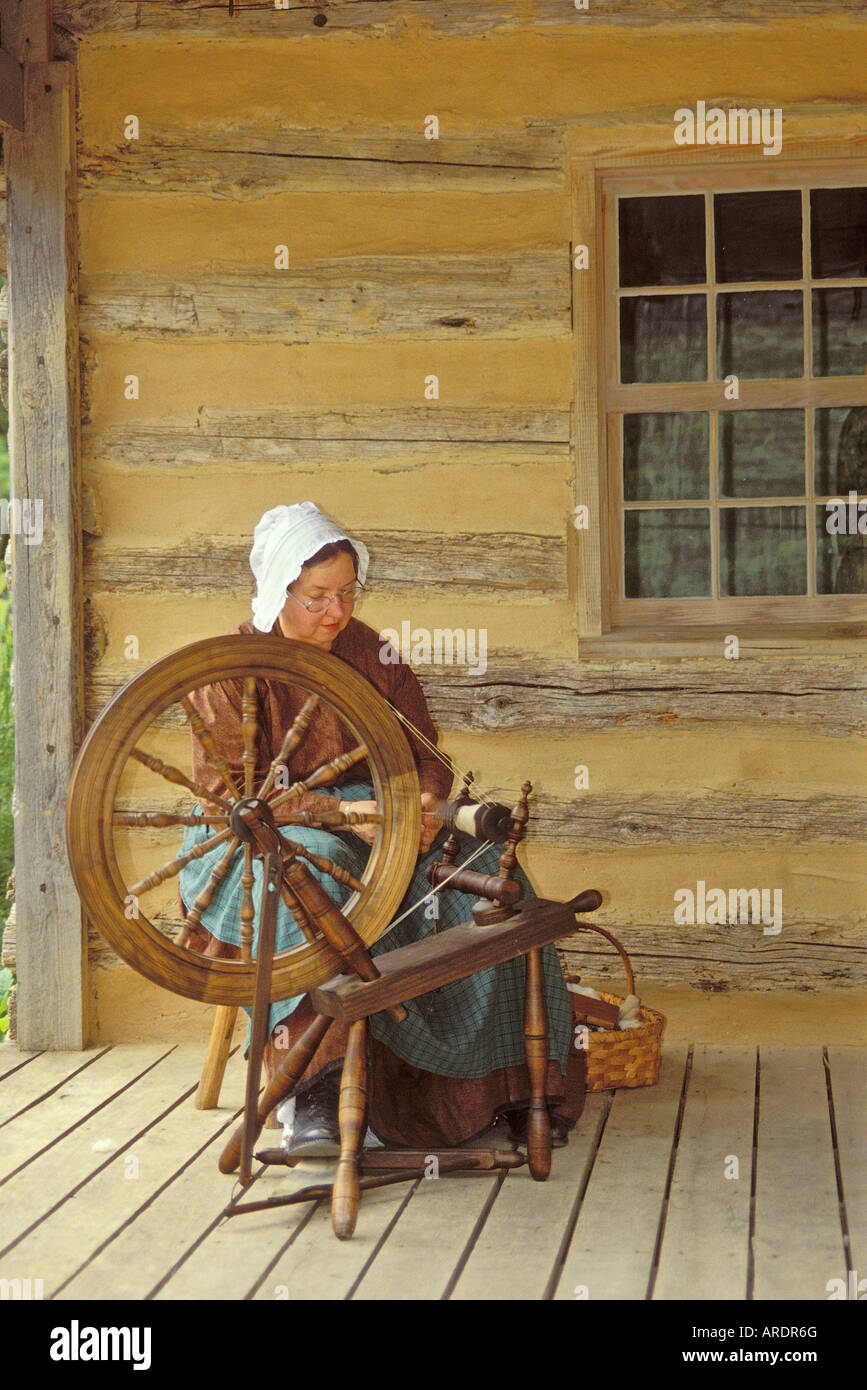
(118,765)
(119,776)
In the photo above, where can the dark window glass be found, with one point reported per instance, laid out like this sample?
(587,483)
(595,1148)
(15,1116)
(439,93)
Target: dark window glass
(662,241)
(840,449)
(663,337)
(760,334)
(763,551)
(838,231)
(761,453)
(665,457)
(668,553)
(758,236)
(841,554)
(839,332)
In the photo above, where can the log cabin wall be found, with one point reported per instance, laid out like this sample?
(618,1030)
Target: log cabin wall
(411,257)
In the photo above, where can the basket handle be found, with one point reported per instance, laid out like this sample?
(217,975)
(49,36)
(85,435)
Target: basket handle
(630,980)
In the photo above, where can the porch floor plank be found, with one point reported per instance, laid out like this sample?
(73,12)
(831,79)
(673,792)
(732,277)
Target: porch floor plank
(611,1252)
(421,1254)
(190,1192)
(86,1092)
(319,1266)
(89,1223)
(849,1089)
(11,1060)
(705,1247)
(798,1242)
(515,1256)
(38,1077)
(233,1256)
(107,1139)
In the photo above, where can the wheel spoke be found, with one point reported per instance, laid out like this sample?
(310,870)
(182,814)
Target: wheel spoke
(326,820)
(218,873)
(327,866)
(247,904)
(206,739)
(174,866)
(161,818)
(174,774)
(298,729)
(323,775)
(250,728)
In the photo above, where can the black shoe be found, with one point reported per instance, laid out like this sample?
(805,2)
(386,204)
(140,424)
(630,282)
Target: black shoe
(518,1124)
(316,1132)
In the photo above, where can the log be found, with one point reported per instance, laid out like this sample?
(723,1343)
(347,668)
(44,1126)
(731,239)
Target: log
(818,694)
(424,422)
(719,958)
(605,822)
(167,447)
(74,19)
(352,299)
(253,163)
(592,821)
(807,955)
(506,563)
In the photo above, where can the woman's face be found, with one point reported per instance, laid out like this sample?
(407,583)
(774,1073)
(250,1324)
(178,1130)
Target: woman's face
(319,629)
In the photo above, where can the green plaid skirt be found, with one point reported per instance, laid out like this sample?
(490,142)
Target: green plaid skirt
(465,1029)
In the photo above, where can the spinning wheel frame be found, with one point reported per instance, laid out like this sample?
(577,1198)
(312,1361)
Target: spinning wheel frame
(109,744)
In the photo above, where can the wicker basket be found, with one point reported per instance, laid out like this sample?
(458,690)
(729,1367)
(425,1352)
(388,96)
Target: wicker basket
(627,1056)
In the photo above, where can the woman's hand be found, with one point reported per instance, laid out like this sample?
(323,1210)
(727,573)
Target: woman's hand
(367,833)
(430,824)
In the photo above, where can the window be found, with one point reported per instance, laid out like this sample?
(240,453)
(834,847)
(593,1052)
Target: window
(735,394)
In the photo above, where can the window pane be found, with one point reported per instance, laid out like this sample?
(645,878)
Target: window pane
(761,453)
(665,457)
(760,333)
(663,338)
(839,332)
(668,553)
(763,550)
(841,560)
(838,231)
(662,241)
(758,236)
(840,449)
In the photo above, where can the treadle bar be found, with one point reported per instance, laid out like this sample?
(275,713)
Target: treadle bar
(450,1161)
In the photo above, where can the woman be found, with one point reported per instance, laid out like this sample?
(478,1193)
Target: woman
(455,1067)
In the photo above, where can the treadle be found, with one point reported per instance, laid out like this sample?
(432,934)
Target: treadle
(411,1160)
(382,1174)
(439,960)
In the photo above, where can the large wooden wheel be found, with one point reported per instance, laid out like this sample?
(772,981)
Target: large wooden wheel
(118,764)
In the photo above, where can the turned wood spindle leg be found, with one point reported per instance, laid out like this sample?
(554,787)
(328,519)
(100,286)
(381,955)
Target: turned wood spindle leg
(536,1049)
(353,1104)
(286,1078)
(222,1031)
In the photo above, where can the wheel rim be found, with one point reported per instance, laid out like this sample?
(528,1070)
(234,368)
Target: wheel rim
(105,753)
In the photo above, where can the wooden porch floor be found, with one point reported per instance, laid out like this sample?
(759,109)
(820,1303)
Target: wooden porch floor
(739,1176)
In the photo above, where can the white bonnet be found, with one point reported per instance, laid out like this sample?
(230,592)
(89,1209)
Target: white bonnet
(283,539)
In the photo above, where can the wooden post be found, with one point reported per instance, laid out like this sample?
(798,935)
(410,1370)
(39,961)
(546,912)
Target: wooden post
(46,570)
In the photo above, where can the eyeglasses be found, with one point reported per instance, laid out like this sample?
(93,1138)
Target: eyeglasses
(319,605)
